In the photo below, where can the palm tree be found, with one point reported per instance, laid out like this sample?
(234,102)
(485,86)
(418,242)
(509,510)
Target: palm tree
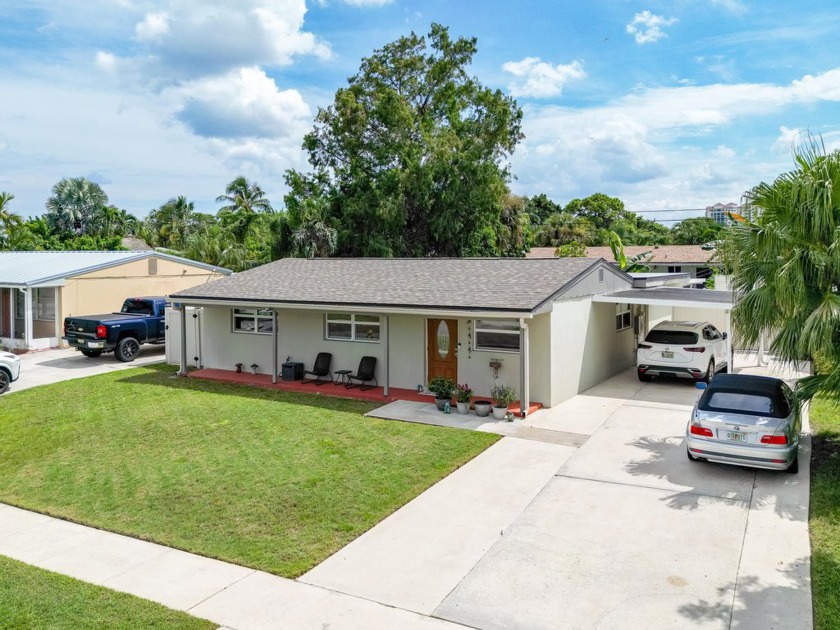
(245,197)
(634,264)
(8,219)
(215,246)
(786,265)
(172,223)
(73,203)
(244,202)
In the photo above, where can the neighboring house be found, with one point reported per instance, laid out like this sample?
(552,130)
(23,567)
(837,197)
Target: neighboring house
(531,324)
(691,259)
(39,289)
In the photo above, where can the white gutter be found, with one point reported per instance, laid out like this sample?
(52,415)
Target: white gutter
(612,299)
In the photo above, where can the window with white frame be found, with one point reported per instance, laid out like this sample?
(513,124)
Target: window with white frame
(623,319)
(20,303)
(44,300)
(497,335)
(352,327)
(252,320)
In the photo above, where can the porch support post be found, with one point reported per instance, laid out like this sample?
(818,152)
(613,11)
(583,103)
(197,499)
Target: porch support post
(182,369)
(57,315)
(274,346)
(524,368)
(28,321)
(386,382)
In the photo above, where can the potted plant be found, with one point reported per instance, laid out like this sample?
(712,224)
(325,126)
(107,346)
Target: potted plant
(482,408)
(503,396)
(463,396)
(442,387)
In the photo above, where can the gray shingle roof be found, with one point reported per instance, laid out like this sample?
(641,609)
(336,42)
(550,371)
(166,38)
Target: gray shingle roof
(514,284)
(30,268)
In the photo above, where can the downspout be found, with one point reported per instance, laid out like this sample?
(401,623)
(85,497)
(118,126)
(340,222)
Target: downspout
(182,370)
(386,358)
(524,368)
(274,337)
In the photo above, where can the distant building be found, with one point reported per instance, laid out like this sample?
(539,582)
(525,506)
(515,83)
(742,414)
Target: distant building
(718,212)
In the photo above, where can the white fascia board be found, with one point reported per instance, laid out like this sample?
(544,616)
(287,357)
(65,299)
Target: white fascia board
(612,299)
(344,308)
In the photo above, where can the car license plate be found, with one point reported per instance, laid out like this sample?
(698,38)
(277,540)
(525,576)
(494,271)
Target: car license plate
(96,344)
(667,355)
(736,437)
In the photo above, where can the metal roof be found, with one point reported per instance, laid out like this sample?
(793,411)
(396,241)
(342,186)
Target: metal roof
(667,296)
(50,268)
(467,284)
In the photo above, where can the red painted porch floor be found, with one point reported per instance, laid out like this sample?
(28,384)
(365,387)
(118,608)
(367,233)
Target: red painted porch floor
(375,394)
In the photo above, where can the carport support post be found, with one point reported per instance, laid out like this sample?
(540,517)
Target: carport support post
(731,366)
(273,346)
(385,359)
(182,370)
(524,372)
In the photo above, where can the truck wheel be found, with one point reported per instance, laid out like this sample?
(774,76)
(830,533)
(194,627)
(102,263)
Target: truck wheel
(5,379)
(127,349)
(92,353)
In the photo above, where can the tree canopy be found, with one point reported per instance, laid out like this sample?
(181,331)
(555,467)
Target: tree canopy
(786,266)
(410,158)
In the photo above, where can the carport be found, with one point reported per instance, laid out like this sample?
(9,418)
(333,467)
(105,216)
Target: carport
(654,305)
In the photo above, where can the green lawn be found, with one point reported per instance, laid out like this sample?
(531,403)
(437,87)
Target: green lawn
(270,480)
(824,519)
(31,598)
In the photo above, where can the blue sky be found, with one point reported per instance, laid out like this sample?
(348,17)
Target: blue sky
(666,104)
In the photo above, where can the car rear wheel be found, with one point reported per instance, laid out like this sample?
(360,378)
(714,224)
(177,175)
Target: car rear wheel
(127,349)
(645,378)
(710,372)
(691,457)
(794,467)
(92,353)
(5,379)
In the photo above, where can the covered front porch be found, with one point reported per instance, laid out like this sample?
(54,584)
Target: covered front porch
(336,389)
(29,317)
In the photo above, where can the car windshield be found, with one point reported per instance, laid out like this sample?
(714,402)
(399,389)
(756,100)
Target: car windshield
(741,402)
(675,337)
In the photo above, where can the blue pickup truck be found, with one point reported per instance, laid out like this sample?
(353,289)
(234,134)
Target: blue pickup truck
(140,320)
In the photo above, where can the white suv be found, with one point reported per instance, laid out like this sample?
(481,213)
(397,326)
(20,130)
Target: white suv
(9,370)
(695,350)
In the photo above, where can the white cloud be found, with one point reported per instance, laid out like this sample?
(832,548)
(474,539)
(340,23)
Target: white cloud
(244,103)
(368,3)
(192,39)
(733,6)
(647,27)
(542,79)
(649,147)
(153,27)
(106,61)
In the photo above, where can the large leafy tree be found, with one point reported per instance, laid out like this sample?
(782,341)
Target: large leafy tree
(170,225)
(73,204)
(786,265)
(410,157)
(696,231)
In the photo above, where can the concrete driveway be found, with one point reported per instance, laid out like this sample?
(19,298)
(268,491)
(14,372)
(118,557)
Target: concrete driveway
(52,366)
(621,532)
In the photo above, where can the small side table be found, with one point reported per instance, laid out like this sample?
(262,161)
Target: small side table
(341,377)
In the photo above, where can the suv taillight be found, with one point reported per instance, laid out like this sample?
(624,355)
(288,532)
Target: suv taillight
(774,439)
(101,332)
(695,349)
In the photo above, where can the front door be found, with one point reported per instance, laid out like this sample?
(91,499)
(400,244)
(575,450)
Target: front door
(441,348)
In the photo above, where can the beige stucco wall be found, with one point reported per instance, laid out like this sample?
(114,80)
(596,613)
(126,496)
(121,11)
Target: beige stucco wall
(586,348)
(105,290)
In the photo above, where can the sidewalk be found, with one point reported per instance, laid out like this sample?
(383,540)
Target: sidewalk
(230,595)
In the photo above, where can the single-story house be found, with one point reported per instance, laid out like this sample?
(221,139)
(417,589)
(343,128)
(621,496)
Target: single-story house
(532,324)
(695,260)
(39,289)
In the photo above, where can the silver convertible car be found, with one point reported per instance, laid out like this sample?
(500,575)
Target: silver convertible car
(746,420)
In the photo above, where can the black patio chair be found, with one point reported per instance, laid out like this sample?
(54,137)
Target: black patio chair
(321,370)
(365,374)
